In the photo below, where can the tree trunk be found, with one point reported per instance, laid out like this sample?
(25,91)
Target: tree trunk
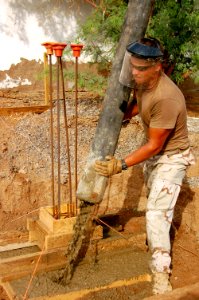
(92,186)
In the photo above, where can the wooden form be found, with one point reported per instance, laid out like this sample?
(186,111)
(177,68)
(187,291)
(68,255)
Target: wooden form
(51,237)
(16,267)
(75,295)
(64,224)
(48,232)
(6,111)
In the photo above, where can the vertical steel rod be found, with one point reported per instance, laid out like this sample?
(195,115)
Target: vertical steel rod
(46,78)
(58,145)
(76,129)
(52,137)
(67,138)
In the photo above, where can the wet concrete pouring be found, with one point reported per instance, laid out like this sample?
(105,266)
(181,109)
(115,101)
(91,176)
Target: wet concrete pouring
(80,241)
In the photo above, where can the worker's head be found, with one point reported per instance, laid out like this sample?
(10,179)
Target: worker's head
(147,49)
(146,58)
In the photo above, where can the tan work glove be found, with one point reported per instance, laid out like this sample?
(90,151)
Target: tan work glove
(109,167)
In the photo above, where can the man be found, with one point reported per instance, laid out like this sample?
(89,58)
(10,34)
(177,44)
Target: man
(166,153)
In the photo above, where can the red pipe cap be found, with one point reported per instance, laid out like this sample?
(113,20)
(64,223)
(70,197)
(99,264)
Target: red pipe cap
(58,48)
(48,46)
(76,49)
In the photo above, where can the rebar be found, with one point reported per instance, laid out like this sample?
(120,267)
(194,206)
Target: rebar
(58,147)
(58,49)
(52,136)
(67,137)
(76,126)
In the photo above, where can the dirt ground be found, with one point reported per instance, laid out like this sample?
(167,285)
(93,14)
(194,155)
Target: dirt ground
(25,185)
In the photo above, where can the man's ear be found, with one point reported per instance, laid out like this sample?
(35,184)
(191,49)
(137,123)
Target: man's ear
(158,67)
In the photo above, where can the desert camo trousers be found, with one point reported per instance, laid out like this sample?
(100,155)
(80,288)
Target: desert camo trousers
(163,176)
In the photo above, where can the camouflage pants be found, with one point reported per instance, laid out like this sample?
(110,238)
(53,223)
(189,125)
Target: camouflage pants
(163,176)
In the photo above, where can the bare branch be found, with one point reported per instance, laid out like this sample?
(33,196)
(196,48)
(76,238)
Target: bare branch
(91,3)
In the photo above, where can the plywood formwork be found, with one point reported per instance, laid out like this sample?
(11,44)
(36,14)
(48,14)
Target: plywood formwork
(6,111)
(75,295)
(64,224)
(16,267)
(50,233)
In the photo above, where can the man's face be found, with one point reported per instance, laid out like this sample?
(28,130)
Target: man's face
(144,72)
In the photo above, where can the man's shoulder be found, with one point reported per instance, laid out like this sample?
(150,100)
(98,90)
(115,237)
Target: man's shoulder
(168,89)
(165,80)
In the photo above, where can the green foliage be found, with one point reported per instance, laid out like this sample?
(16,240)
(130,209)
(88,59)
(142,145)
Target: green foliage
(176,24)
(87,81)
(102,30)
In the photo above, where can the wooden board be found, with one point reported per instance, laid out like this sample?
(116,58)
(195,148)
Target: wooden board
(5,111)
(42,236)
(62,225)
(23,265)
(75,295)
(9,290)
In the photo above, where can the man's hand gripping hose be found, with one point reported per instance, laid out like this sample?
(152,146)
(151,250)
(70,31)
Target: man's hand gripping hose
(110,166)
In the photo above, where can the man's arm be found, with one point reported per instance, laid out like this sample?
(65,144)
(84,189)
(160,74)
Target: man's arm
(131,111)
(156,141)
(111,166)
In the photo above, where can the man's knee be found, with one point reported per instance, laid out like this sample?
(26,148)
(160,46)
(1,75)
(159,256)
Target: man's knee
(163,196)
(158,227)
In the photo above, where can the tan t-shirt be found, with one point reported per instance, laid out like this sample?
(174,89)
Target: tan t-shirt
(164,107)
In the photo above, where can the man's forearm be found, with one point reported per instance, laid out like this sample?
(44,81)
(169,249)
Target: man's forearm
(157,139)
(141,154)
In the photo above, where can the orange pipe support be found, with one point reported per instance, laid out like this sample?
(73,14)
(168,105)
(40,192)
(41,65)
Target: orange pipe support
(58,49)
(48,46)
(76,49)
